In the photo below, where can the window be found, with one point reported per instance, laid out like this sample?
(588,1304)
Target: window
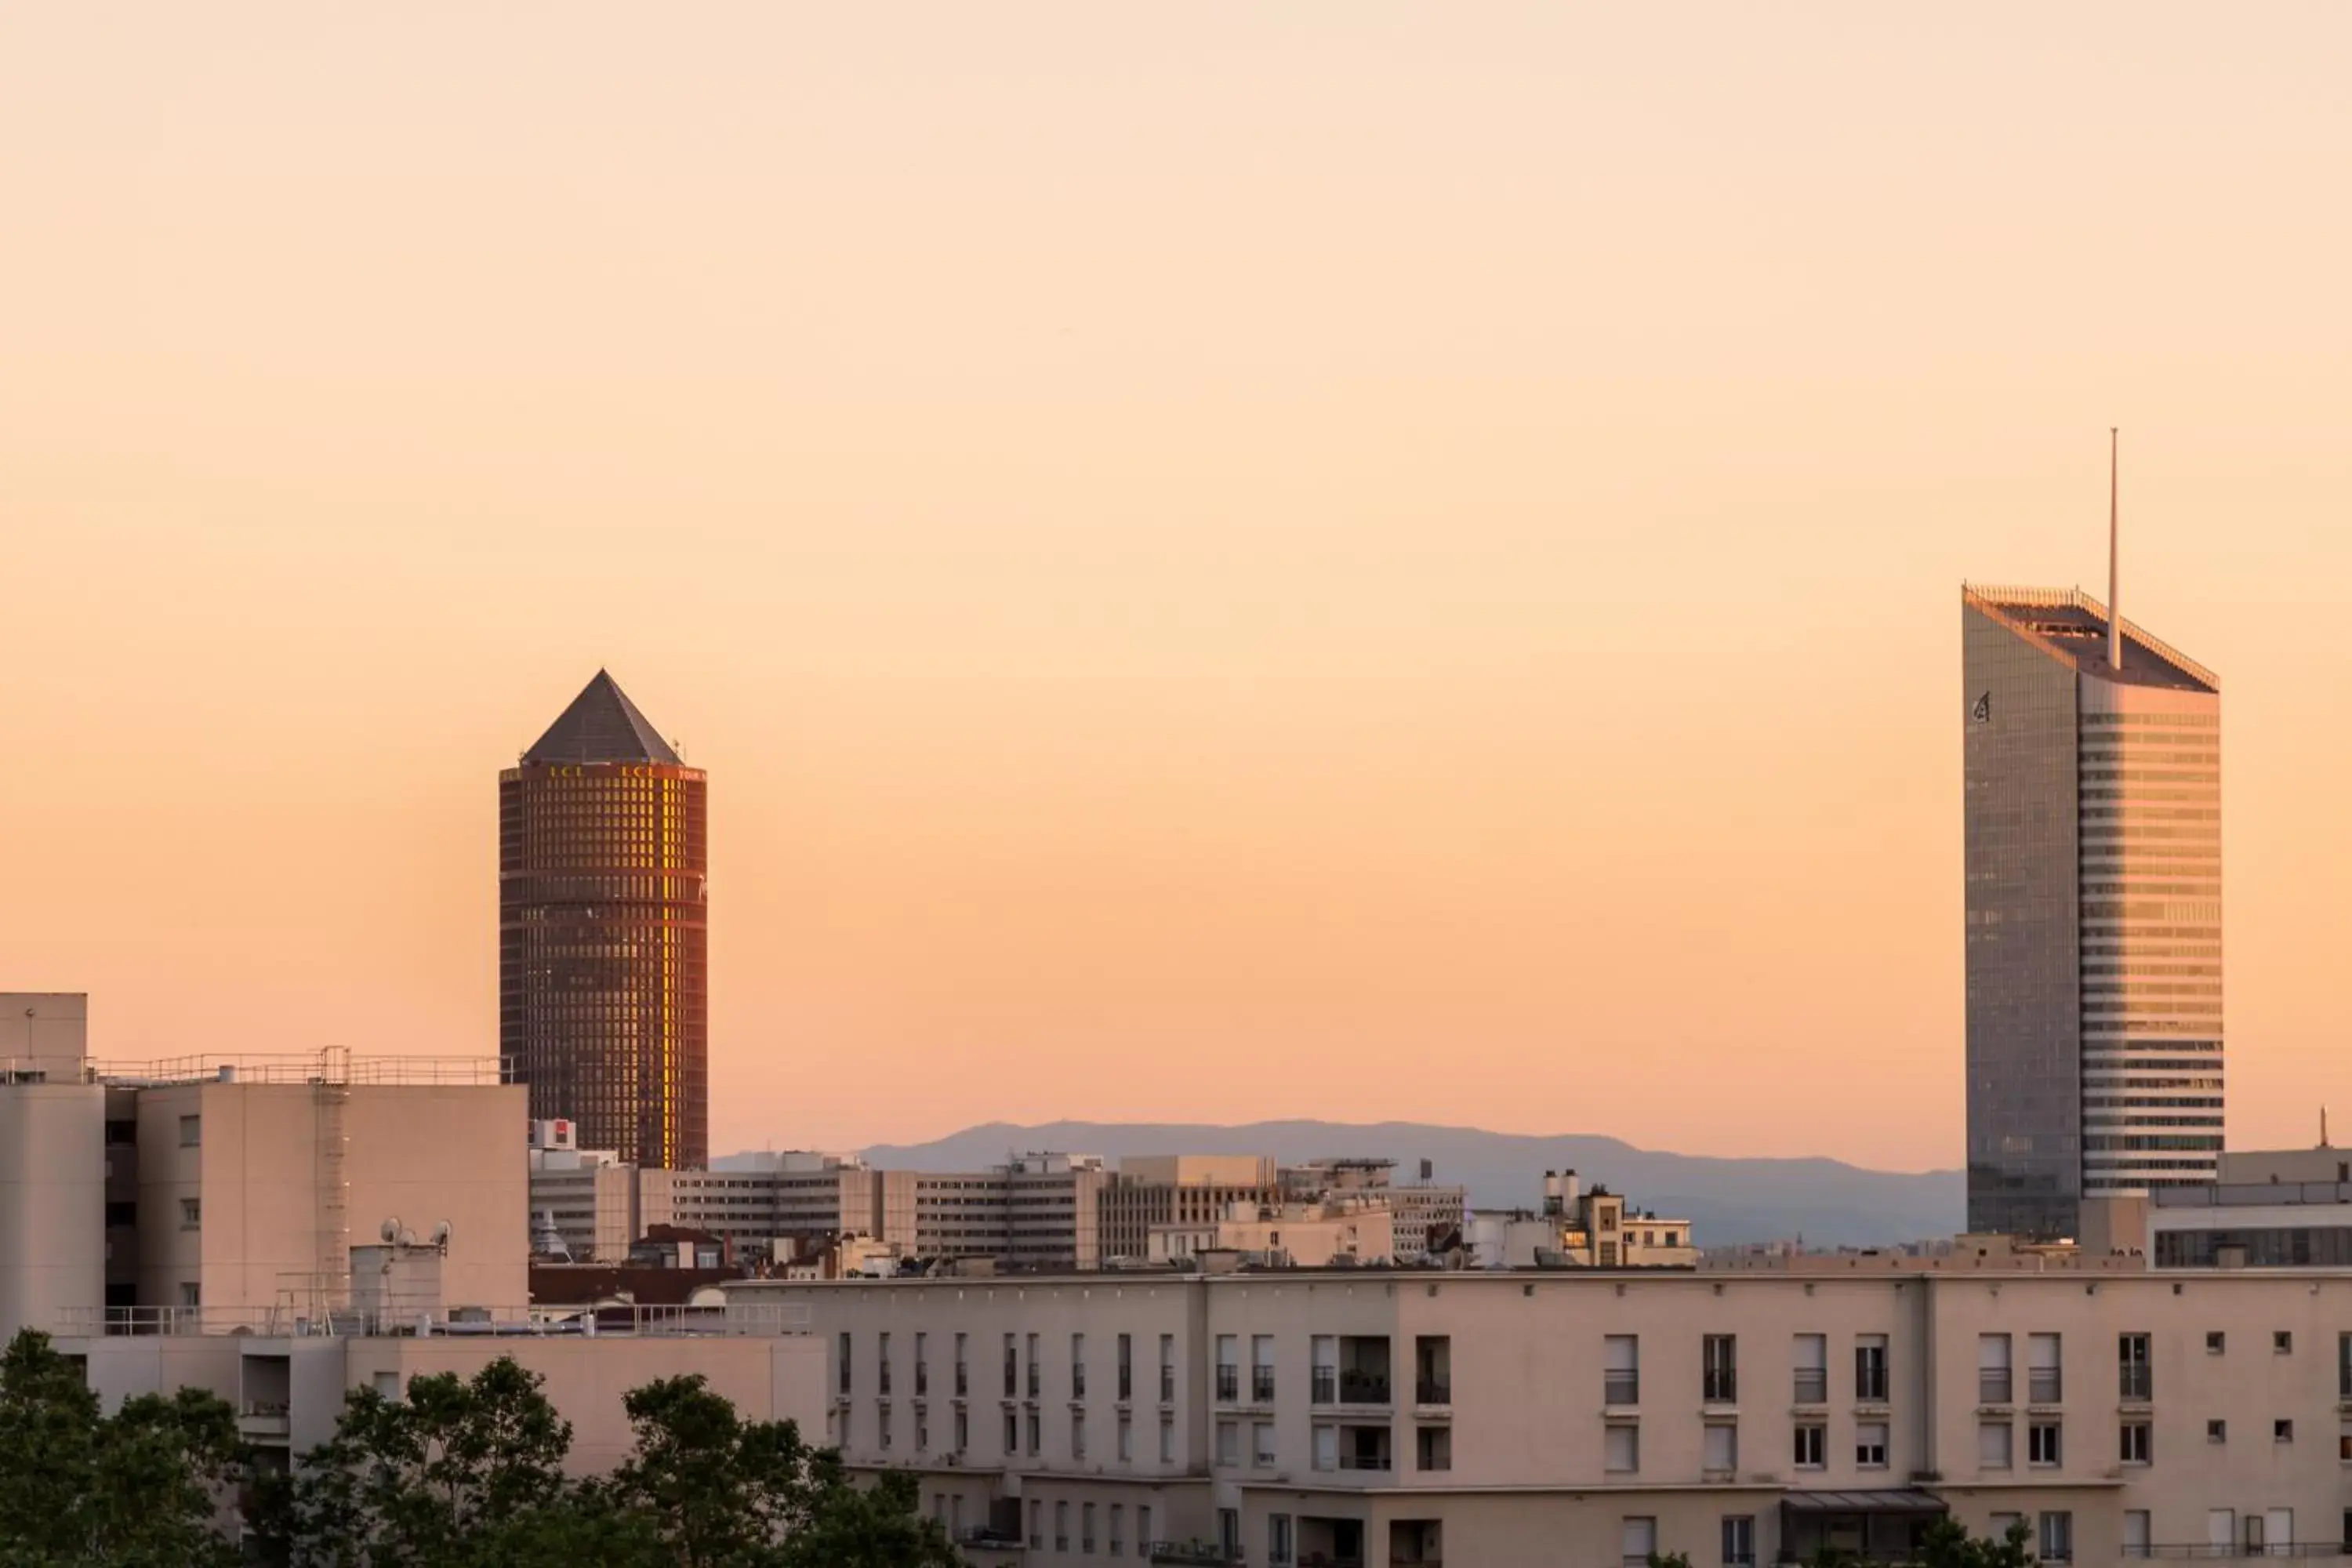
(1061,1527)
(192,1132)
(2216,1431)
(2283,1342)
(1167,1440)
(1078,1434)
(882,1407)
(2042,1443)
(2134,1378)
(882,1357)
(1087,1527)
(1036,1375)
(2043,1384)
(2057,1538)
(1621,1376)
(1143,1537)
(1994,1440)
(2215,1342)
(2343,1366)
(1637,1541)
(1870,1369)
(1229,1443)
(2136,1442)
(1119,1530)
(2139,1533)
(1323,1370)
(1036,1433)
(1167,1374)
(1327,1447)
(1812,1368)
(1126,1370)
(1738,1541)
(1277,1538)
(922,1365)
(1870,1445)
(1722,1447)
(190,1294)
(1011,1366)
(1012,1434)
(2282,1431)
(963,1431)
(1993,1369)
(1621,1450)
(1813,1445)
(1718,1368)
(1078,1366)
(1229,1371)
(1125,1437)
(1432,1448)
(1262,1369)
(1262,1444)
(192,1213)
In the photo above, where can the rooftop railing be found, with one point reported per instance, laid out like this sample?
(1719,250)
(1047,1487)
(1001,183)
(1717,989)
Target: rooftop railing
(742,1321)
(313,1068)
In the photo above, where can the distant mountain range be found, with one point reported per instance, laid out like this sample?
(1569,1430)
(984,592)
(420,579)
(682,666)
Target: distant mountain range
(1825,1201)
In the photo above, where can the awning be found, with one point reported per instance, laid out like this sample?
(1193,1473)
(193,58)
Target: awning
(1902,1499)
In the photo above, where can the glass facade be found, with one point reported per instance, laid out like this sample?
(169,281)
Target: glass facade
(604,937)
(2091,911)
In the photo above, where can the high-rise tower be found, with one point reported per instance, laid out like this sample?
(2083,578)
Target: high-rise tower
(2093,765)
(604,934)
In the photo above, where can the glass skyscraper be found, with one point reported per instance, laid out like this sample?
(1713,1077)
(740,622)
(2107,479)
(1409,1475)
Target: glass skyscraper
(2094,910)
(604,932)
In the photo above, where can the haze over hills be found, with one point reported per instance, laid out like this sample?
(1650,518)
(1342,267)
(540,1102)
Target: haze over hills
(1728,1200)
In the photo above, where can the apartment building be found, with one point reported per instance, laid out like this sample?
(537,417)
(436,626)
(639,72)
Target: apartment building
(1354,1231)
(1592,1416)
(1190,1191)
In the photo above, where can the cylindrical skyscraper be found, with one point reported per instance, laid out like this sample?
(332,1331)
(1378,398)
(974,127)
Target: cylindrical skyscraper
(604,934)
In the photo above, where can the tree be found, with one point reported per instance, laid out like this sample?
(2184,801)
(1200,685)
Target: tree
(1948,1544)
(425,1481)
(145,1487)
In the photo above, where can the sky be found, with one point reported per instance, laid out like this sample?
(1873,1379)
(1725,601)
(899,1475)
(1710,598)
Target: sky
(1361,561)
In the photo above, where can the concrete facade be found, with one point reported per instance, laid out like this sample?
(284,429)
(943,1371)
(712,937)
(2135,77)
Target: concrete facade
(1561,1417)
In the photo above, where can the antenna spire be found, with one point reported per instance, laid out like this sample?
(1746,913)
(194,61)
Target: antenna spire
(2115,563)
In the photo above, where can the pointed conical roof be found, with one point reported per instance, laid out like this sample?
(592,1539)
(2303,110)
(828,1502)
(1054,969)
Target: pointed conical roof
(601,726)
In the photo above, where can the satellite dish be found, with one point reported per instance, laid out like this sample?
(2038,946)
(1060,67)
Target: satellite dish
(390,1232)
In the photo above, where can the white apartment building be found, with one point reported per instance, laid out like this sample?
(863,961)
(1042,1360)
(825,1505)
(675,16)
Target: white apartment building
(1590,1417)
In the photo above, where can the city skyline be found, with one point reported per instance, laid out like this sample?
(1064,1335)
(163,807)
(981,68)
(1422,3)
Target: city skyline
(1404,566)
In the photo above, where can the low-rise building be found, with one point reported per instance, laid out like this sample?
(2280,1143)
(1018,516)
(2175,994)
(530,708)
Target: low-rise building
(1744,1414)
(1353,1231)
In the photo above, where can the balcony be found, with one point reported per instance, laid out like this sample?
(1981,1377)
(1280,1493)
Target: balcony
(1432,1391)
(1194,1554)
(1364,1388)
(264,1419)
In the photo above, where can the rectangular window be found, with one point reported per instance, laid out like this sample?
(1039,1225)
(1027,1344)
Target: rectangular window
(1143,1536)
(1870,1369)
(2043,1380)
(192,1132)
(1323,1373)
(1012,1434)
(922,1365)
(1719,1369)
(1061,1527)
(1127,1366)
(1261,1369)
(1036,1375)
(1870,1445)
(1277,1540)
(1621,1448)
(1078,1434)
(1119,1530)
(2283,1342)
(2057,1538)
(2216,1342)
(1229,1370)
(1993,1369)
(2136,1442)
(1327,1447)
(2216,1431)
(2134,1377)
(963,1379)
(1078,1366)
(1262,1445)
(1036,1433)
(1994,1450)
(2282,1431)
(1011,1366)
(882,1408)
(1433,1448)
(1722,1452)
(963,1431)
(2139,1533)
(2343,1366)
(1813,1445)
(1621,1370)
(192,1213)
(1229,1443)
(2042,1443)
(192,1295)
(1126,1435)
(1167,1440)
(1637,1541)
(1739,1541)
(1167,1369)
(1087,1527)
(882,1364)
(1812,1368)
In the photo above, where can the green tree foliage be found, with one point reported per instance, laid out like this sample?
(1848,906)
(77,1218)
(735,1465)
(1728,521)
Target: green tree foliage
(470,1475)
(1948,1544)
(145,1487)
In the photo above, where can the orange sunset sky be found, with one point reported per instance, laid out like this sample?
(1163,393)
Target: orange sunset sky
(1351,560)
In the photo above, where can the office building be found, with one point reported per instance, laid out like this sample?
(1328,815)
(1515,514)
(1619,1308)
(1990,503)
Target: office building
(2092,771)
(1742,1416)
(604,932)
